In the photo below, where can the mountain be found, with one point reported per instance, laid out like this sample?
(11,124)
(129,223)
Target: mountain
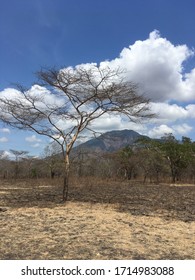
(109,142)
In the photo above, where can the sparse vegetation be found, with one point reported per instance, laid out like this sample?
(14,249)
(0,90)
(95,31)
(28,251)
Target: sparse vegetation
(103,219)
(121,205)
(166,160)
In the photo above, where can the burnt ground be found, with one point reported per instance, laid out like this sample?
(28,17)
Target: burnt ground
(101,220)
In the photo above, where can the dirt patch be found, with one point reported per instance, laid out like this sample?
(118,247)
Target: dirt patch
(107,220)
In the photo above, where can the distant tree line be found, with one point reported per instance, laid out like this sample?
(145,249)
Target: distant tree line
(22,166)
(148,160)
(163,160)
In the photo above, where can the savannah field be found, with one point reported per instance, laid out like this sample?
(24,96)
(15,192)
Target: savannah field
(101,220)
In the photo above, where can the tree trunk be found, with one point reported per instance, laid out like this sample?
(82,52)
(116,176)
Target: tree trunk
(66,178)
(173,174)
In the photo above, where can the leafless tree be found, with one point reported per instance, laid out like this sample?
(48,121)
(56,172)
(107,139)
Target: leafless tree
(51,155)
(1,154)
(4,164)
(18,155)
(68,101)
(28,162)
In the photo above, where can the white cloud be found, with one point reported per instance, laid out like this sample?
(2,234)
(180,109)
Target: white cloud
(5,130)
(182,129)
(169,112)
(45,97)
(37,145)
(108,122)
(10,93)
(188,86)
(191,110)
(157,66)
(3,140)
(42,97)
(33,139)
(159,131)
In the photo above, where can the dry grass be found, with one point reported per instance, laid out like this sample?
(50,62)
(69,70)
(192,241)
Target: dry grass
(101,220)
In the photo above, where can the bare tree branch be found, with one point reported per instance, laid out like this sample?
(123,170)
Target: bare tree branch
(68,101)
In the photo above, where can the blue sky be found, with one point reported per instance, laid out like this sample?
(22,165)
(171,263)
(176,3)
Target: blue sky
(67,33)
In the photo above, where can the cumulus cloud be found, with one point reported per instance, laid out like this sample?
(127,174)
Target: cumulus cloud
(169,112)
(42,97)
(161,130)
(5,130)
(182,129)
(157,66)
(3,140)
(191,110)
(10,93)
(33,139)
(109,122)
